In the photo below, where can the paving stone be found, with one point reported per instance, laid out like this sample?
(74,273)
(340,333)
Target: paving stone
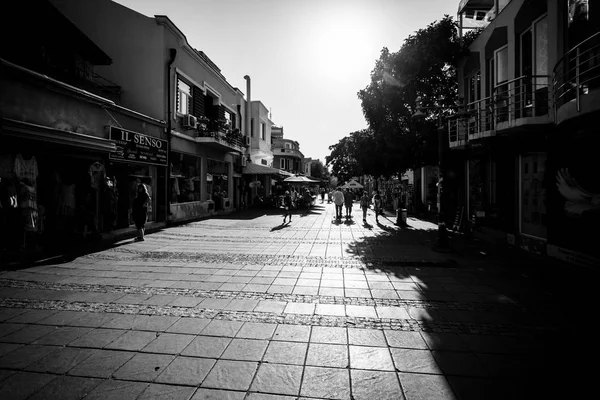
(61,318)
(159,300)
(292,333)
(329,383)
(369,385)
(363,293)
(213,394)
(284,289)
(161,392)
(28,334)
(8,313)
(412,340)
(256,330)
(4,373)
(392,312)
(61,360)
(242,305)
(278,379)
(233,375)
(133,298)
(102,364)
(159,323)
(331,309)
(6,348)
(31,317)
(466,388)
(415,361)
(97,338)
(366,337)
(262,280)
(245,350)
(459,363)
(286,352)
(94,319)
(181,301)
(329,291)
(306,290)
(66,388)
(192,326)
(144,367)
(206,346)
(444,341)
(264,396)
(325,334)
(22,384)
(132,341)
(377,358)
(8,328)
(232,287)
(26,355)
(300,308)
(117,390)
(254,287)
(168,343)
(186,371)
(356,284)
(63,336)
(426,387)
(327,355)
(270,306)
(360,311)
(222,328)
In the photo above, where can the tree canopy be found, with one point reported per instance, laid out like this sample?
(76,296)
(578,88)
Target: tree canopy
(425,67)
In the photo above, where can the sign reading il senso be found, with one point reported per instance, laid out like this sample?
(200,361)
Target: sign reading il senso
(137,147)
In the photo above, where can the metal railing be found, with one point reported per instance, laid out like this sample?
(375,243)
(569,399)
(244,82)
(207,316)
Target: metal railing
(577,72)
(522,97)
(227,137)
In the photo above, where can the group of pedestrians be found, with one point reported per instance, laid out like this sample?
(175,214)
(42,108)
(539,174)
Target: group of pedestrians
(346,199)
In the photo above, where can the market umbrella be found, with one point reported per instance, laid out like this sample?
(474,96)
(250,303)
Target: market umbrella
(352,184)
(299,179)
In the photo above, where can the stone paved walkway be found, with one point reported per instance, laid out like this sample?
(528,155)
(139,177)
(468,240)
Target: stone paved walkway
(242,307)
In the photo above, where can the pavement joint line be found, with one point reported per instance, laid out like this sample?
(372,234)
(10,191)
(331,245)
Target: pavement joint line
(290,319)
(289,298)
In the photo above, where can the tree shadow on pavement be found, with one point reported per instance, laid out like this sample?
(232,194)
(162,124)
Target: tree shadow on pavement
(493,333)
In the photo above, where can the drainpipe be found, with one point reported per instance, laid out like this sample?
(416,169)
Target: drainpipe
(173,56)
(247,116)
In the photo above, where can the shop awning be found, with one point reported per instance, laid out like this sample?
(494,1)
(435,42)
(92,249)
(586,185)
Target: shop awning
(256,169)
(26,130)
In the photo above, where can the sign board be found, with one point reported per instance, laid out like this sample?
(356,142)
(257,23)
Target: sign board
(137,147)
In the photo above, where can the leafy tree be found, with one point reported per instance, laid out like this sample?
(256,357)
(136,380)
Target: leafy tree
(425,67)
(318,170)
(344,157)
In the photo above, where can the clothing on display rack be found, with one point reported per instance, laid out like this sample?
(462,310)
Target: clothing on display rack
(96,172)
(26,169)
(66,203)
(28,204)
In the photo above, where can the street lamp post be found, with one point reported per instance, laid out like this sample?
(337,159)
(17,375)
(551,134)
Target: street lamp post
(443,242)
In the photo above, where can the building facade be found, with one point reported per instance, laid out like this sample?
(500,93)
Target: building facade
(161,74)
(531,84)
(260,134)
(71,155)
(287,156)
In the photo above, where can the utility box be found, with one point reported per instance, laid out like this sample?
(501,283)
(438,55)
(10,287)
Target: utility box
(401,216)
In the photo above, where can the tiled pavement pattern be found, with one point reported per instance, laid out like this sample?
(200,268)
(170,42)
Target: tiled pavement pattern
(243,308)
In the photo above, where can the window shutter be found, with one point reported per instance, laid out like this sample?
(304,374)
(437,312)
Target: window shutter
(221,112)
(197,102)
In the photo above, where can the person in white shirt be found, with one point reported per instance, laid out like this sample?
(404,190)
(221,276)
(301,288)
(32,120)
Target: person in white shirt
(338,200)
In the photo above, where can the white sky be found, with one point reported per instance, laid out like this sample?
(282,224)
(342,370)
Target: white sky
(307,58)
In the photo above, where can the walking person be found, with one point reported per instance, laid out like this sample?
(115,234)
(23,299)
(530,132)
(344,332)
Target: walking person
(365,201)
(348,201)
(322,195)
(140,211)
(287,205)
(338,201)
(377,205)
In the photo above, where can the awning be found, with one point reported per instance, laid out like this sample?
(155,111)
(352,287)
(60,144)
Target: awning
(20,129)
(256,169)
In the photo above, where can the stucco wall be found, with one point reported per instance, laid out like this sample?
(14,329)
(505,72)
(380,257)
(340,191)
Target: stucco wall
(135,44)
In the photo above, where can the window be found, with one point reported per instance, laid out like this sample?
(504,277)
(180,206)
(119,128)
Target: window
(184,96)
(502,65)
(228,119)
(282,163)
(288,146)
(185,178)
(263,131)
(251,127)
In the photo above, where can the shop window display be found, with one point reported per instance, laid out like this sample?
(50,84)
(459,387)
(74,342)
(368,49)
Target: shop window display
(185,179)
(217,183)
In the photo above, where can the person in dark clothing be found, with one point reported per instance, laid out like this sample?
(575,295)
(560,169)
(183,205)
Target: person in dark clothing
(140,211)
(287,205)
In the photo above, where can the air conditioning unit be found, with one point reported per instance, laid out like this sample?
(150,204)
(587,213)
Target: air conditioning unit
(247,140)
(189,121)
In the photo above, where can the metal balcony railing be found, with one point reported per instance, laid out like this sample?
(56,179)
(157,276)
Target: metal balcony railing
(522,97)
(224,136)
(577,72)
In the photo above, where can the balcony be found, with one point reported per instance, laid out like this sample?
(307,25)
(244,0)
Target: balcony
(278,151)
(221,140)
(576,83)
(523,101)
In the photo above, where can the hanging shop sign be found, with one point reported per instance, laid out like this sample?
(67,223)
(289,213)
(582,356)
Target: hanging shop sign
(137,147)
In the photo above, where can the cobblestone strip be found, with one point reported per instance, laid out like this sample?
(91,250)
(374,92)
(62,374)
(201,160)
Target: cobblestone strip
(295,298)
(291,319)
(304,261)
